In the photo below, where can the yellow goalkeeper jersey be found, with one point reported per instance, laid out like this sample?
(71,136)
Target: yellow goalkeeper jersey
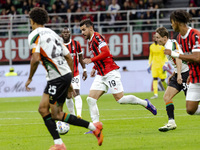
(157,58)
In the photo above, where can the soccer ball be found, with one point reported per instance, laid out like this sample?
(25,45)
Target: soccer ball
(62,127)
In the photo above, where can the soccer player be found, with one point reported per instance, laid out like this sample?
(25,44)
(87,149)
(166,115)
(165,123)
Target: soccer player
(189,40)
(177,81)
(48,47)
(108,75)
(157,64)
(75,49)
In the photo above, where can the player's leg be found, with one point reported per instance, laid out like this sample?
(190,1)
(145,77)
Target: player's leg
(49,122)
(155,74)
(96,128)
(113,81)
(69,101)
(78,103)
(163,76)
(169,94)
(192,99)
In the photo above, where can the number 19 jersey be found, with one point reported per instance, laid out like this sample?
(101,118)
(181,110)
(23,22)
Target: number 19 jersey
(52,51)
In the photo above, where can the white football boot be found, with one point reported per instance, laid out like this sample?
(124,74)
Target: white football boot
(170,126)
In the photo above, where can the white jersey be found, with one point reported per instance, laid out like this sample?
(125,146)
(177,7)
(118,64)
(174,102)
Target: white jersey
(52,51)
(174,46)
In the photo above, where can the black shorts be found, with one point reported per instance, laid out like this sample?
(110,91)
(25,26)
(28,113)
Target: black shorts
(57,89)
(173,82)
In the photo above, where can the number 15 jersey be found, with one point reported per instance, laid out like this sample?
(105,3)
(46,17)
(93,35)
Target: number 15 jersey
(52,51)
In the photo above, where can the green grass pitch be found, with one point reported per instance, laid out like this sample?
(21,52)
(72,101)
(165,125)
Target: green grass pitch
(126,127)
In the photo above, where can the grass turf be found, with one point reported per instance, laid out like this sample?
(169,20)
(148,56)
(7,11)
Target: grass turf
(126,127)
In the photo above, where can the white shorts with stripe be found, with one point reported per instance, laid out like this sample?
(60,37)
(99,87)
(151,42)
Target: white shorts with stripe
(193,92)
(76,82)
(111,80)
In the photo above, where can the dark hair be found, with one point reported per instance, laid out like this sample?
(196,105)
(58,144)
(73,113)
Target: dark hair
(86,22)
(65,28)
(162,31)
(180,16)
(39,15)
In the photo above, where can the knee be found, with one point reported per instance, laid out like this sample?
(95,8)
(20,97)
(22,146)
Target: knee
(166,98)
(91,101)
(190,112)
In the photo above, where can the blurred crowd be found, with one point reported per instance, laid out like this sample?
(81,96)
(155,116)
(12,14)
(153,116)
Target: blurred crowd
(110,17)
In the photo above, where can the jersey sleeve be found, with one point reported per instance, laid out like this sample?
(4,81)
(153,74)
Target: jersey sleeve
(150,55)
(34,43)
(196,42)
(65,50)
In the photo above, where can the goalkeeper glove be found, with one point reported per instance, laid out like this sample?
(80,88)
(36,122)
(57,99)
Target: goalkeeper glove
(149,69)
(165,67)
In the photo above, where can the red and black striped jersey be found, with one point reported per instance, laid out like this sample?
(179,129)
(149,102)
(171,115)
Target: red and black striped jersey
(105,65)
(191,43)
(75,50)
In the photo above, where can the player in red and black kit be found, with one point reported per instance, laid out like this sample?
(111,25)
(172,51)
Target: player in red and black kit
(189,40)
(77,56)
(108,75)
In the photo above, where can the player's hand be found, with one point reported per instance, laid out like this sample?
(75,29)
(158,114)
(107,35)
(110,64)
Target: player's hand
(167,52)
(165,67)
(92,73)
(149,69)
(27,84)
(87,61)
(84,77)
(179,79)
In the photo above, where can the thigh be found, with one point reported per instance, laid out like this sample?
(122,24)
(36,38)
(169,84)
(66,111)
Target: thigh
(162,74)
(113,81)
(57,111)
(154,72)
(170,93)
(98,84)
(193,93)
(96,94)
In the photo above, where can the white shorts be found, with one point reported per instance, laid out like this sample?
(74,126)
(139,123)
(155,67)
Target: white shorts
(193,92)
(111,80)
(76,82)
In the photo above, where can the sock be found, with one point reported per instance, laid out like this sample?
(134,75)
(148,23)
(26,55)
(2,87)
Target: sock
(91,127)
(72,119)
(164,84)
(155,87)
(197,111)
(170,110)
(58,141)
(131,99)
(70,106)
(51,126)
(78,104)
(94,111)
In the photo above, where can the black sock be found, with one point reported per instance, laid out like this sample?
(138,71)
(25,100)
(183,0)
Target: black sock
(170,110)
(51,126)
(71,119)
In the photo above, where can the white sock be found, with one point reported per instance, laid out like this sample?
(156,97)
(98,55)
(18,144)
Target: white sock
(94,111)
(58,141)
(78,105)
(91,127)
(70,106)
(197,111)
(131,99)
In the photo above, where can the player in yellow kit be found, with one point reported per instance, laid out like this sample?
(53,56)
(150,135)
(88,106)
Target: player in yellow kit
(158,64)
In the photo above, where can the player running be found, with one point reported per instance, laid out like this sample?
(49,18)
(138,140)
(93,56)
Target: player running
(46,46)
(108,75)
(177,81)
(189,40)
(77,55)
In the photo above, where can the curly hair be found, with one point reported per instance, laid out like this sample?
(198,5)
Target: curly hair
(39,15)
(86,22)
(180,16)
(162,31)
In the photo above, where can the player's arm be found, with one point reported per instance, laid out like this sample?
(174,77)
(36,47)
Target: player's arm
(105,52)
(69,60)
(150,56)
(179,66)
(35,60)
(84,77)
(194,57)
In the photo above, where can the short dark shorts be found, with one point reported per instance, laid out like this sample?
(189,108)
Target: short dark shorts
(57,89)
(173,82)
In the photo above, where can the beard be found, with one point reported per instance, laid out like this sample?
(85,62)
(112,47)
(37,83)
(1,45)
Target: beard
(156,42)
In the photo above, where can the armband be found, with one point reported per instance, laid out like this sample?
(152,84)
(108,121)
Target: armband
(175,54)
